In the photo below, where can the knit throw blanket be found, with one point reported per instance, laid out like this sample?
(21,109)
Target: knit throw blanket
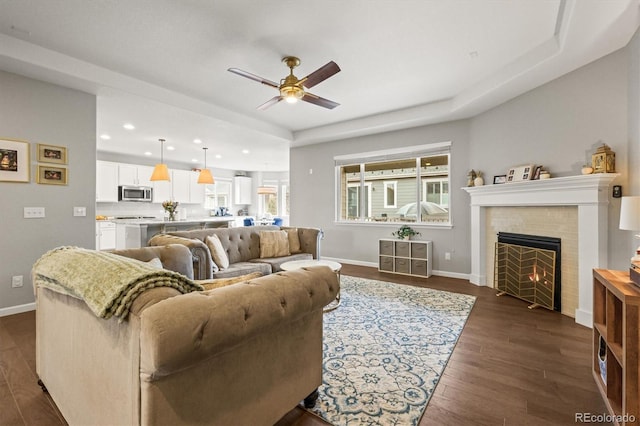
(107,283)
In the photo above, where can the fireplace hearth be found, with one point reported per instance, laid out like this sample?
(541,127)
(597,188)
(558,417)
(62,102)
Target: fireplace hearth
(528,267)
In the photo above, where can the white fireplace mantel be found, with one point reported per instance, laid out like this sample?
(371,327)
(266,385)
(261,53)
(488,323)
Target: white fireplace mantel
(590,193)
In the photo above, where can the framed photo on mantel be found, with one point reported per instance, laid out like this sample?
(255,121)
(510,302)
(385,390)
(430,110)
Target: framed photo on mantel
(520,173)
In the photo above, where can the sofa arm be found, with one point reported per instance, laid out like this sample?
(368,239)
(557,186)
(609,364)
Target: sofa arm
(309,240)
(203,266)
(182,331)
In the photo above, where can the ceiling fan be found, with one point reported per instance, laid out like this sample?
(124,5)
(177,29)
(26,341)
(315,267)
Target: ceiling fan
(291,88)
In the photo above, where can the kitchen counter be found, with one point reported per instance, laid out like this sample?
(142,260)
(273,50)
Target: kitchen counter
(190,221)
(134,233)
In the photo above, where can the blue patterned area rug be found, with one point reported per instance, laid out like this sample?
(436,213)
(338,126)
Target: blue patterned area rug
(385,348)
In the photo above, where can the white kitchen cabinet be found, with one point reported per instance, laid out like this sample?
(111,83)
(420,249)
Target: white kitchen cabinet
(134,175)
(105,235)
(128,236)
(183,188)
(196,190)
(180,180)
(162,191)
(242,190)
(106,181)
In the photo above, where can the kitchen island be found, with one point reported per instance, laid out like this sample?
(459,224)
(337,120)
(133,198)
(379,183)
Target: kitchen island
(134,233)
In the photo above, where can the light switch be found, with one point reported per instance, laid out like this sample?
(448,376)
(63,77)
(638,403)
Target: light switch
(79,211)
(33,212)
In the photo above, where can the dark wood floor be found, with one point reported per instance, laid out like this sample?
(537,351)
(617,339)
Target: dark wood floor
(511,366)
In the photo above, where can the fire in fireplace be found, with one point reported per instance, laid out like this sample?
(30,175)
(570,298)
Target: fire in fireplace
(528,267)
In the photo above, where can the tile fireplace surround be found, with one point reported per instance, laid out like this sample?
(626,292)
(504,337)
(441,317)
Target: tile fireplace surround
(590,193)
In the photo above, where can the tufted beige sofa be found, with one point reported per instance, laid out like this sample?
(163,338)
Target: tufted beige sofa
(244,354)
(242,246)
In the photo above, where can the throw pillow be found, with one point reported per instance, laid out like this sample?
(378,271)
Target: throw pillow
(155,262)
(223,282)
(274,244)
(218,255)
(294,240)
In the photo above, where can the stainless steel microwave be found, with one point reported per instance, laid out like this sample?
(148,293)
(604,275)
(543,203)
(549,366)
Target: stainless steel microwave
(135,193)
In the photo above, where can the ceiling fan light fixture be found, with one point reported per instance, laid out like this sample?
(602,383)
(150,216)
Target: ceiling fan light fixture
(291,94)
(160,171)
(205,176)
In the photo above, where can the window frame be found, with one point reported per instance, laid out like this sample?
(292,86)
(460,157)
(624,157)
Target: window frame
(360,160)
(385,187)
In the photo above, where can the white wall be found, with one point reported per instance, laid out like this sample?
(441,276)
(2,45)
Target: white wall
(39,112)
(557,125)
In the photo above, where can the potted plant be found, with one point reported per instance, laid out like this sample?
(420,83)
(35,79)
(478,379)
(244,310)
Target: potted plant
(405,232)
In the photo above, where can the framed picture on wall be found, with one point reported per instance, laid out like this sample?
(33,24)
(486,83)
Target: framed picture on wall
(14,161)
(52,154)
(52,175)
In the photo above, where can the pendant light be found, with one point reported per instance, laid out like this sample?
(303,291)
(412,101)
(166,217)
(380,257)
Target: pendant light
(266,190)
(160,171)
(205,174)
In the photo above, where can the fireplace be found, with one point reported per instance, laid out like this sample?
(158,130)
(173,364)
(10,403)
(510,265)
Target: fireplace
(528,267)
(588,194)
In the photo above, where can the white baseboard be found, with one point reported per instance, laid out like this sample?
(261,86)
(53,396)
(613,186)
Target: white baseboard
(12,310)
(451,275)
(375,265)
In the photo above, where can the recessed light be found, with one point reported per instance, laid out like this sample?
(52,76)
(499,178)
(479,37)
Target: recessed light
(105,137)
(147,153)
(218,156)
(245,151)
(171,148)
(129,126)
(197,141)
(193,160)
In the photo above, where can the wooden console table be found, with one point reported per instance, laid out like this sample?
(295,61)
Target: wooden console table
(616,324)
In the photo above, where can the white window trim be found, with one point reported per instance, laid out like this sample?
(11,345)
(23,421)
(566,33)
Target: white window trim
(426,181)
(432,149)
(394,203)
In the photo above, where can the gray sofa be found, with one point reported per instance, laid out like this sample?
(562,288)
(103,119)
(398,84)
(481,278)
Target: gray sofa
(242,246)
(243,354)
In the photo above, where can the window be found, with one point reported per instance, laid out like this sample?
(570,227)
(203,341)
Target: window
(388,186)
(285,200)
(390,194)
(268,201)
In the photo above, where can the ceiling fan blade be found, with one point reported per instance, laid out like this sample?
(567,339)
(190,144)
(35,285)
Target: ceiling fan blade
(317,100)
(253,77)
(320,74)
(270,102)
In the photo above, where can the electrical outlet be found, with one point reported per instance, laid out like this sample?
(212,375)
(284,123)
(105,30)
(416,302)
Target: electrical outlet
(17,281)
(447,256)
(79,211)
(33,212)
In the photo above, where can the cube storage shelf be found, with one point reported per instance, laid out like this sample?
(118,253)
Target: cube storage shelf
(616,331)
(405,257)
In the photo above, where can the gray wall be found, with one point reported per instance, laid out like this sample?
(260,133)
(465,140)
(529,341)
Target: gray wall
(39,112)
(313,196)
(558,125)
